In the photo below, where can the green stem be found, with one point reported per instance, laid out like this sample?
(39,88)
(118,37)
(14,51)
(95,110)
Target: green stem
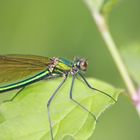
(110,44)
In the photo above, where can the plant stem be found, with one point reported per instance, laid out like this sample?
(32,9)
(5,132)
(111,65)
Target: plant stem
(110,44)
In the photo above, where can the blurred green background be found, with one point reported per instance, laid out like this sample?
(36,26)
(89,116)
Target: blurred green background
(65,28)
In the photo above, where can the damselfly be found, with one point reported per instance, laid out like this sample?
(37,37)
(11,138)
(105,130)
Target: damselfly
(19,71)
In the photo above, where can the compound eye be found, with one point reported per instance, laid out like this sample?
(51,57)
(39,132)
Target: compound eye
(83,65)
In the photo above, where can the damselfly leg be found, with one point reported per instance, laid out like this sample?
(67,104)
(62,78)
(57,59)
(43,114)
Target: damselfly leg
(49,103)
(84,79)
(71,97)
(10,100)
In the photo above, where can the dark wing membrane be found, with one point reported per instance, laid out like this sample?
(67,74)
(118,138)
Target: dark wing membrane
(16,68)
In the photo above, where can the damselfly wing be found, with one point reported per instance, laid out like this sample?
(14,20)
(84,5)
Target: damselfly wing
(19,68)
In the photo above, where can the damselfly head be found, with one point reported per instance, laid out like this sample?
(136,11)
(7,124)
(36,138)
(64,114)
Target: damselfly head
(81,64)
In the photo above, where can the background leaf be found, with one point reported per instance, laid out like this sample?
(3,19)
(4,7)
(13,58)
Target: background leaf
(26,117)
(131,55)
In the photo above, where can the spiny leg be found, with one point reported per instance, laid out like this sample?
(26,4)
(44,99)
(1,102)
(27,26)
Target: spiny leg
(49,103)
(10,100)
(71,97)
(95,88)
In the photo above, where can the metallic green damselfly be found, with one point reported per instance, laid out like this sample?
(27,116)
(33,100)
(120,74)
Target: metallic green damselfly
(19,71)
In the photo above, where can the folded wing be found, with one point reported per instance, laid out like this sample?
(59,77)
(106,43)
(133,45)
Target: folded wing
(16,68)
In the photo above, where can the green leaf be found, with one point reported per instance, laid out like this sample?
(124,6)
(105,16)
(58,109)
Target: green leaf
(26,117)
(131,55)
(108,6)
